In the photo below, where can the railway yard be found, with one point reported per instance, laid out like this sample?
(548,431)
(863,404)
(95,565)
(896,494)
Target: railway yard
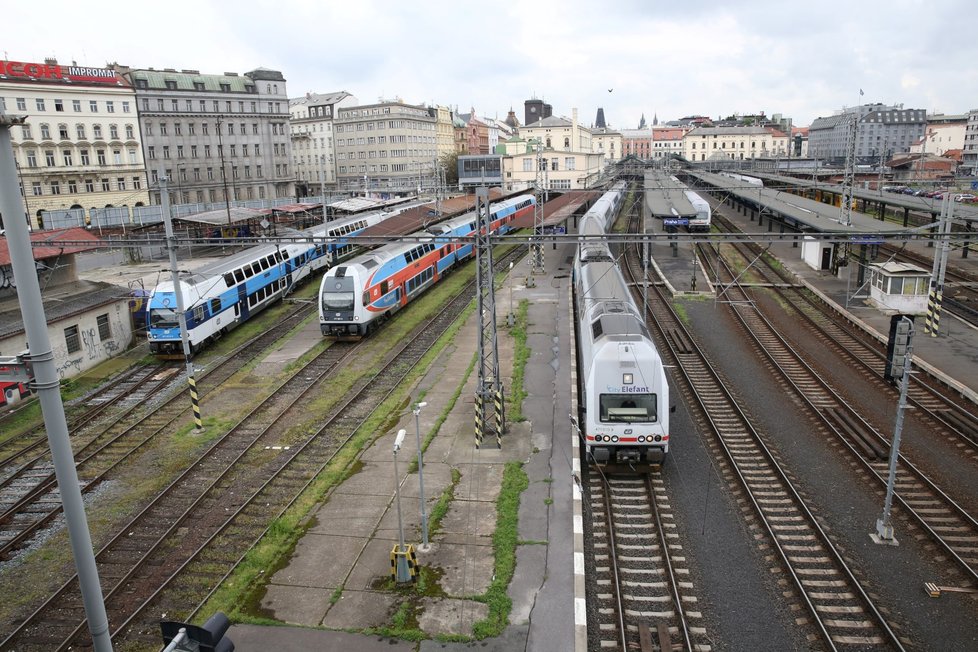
(753,534)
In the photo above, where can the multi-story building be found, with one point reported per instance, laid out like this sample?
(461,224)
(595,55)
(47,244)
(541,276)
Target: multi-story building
(970,154)
(311,129)
(944,132)
(215,137)
(667,141)
(80,145)
(477,134)
(637,142)
(389,146)
(607,142)
(880,132)
(444,131)
(534,110)
(734,143)
(559,134)
(560,170)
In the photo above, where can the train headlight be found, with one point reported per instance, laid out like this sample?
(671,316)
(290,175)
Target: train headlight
(356,317)
(614,439)
(658,437)
(641,439)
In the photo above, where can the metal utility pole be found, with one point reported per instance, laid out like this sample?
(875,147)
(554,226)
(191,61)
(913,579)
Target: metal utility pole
(489,417)
(536,248)
(322,184)
(849,176)
(224,175)
(171,248)
(936,296)
(884,527)
(40,360)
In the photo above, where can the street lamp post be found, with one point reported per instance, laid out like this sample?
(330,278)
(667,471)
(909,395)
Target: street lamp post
(402,572)
(424,516)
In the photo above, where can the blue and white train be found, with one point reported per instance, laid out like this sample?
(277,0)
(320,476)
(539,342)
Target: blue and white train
(624,396)
(219,296)
(356,297)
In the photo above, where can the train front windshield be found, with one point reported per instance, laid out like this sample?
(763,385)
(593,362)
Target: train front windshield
(163,318)
(628,408)
(337,300)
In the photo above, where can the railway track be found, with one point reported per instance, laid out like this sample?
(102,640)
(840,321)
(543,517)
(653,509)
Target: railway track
(642,591)
(952,527)
(820,581)
(29,495)
(192,536)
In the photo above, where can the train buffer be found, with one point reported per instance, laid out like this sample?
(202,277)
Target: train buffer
(935,590)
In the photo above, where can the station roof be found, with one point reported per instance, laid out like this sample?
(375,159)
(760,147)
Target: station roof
(664,197)
(893,268)
(220,217)
(415,219)
(61,302)
(46,244)
(809,213)
(922,204)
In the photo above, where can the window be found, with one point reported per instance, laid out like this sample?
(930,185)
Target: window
(151,152)
(207,151)
(72,342)
(80,132)
(66,156)
(97,131)
(175,105)
(569,162)
(114,132)
(136,183)
(179,151)
(36,188)
(191,129)
(104,328)
(55,188)
(105,185)
(84,157)
(40,103)
(203,128)
(163,130)
(193,151)
(72,187)
(49,158)
(21,104)
(89,185)
(32,158)
(45,132)
(125,107)
(130,132)
(166,151)
(93,106)
(121,182)
(109,106)
(177,129)
(145,104)
(210,174)
(100,156)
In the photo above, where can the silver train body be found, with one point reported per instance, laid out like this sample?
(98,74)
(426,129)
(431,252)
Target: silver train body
(623,389)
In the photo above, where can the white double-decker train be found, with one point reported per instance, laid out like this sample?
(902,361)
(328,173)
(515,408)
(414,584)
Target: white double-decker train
(624,396)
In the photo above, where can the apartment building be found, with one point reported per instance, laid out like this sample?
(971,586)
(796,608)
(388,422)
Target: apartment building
(80,146)
(215,137)
(881,131)
(970,154)
(733,143)
(389,146)
(667,141)
(311,132)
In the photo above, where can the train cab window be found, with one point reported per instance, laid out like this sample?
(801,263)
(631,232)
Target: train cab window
(215,306)
(627,408)
(198,313)
(229,279)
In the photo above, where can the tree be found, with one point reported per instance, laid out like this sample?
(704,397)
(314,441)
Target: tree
(449,161)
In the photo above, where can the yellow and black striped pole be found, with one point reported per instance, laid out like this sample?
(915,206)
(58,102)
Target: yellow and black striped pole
(498,401)
(479,429)
(195,402)
(933,321)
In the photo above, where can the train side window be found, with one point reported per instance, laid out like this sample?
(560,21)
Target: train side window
(285,254)
(385,287)
(215,306)
(263,263)
(198,313)
(596,329)
(229,279)
(255,269)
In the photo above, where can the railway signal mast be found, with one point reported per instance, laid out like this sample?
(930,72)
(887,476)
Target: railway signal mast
(489,417)
(849,176)
(536,246)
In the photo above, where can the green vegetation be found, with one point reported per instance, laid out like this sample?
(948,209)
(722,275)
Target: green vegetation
(440,509)
(521,354)
(504,542)
(680,309)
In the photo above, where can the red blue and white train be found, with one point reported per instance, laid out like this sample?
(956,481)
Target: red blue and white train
(624,396)
(356,297)
(219,296)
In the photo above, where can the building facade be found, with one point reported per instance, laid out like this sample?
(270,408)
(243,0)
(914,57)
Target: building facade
(944,132)
(560,170)
(880,132)
(215,137)
(390,146)
(559,134)
(80,146)
(608,143)
(733,143)
(970,154)
(311,132)
(667,141)
(637,142)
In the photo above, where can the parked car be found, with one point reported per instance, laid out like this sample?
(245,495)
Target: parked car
(965,197)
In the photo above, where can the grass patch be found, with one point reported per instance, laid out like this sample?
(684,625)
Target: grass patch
(521,354)
(440,509)
(504,542)
(680,309)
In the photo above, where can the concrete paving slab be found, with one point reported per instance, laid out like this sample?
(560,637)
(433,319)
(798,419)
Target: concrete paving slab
(451,616)
(466,569)
(375,478)
(320,561)
(471,517)
(362,609)
(297,639)
(481,481)
(296,605)
(290,350)
(350,515)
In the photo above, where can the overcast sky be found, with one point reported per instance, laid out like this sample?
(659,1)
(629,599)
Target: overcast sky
(630,57)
